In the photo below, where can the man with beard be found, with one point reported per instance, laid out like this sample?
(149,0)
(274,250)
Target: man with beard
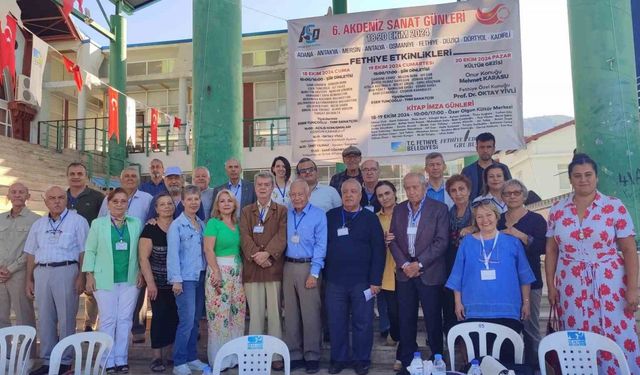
(174,182)
(156,184)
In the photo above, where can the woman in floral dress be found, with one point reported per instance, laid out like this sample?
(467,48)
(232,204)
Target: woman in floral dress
(591,285)
(225,298)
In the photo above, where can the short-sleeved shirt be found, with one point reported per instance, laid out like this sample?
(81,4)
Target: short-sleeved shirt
(61,240)
(158,258)
(120,257)
(227,240)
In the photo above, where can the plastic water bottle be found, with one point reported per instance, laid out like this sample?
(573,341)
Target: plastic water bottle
(439,367)
(475,368)
(415,368)
(207,370)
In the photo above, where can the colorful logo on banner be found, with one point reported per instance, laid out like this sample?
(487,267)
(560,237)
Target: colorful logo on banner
(493,16)
(398,147)
(255,342)
(309,34)
(576,338)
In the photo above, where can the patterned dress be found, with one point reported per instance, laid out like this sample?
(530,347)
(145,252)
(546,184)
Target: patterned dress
(590,275)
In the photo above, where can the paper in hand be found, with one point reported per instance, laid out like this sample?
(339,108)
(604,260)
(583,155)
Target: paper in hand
(367,294)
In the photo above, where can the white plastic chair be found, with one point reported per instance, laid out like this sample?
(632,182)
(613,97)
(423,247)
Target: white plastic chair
(577,351)
(15,345)
(502,333)
(255,353)
(93,362)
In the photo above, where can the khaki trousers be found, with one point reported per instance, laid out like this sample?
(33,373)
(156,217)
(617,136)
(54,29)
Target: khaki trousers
(302,322)
(13,296)
(264,301)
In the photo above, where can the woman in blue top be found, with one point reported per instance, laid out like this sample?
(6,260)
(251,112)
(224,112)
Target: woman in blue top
(185,272)
(491,276)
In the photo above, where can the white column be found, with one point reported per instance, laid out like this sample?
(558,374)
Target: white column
(182,108)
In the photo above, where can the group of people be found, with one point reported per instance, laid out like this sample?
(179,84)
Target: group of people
(309,258)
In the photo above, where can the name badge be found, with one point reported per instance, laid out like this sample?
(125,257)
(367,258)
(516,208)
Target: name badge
(121,246)
(370,208)
(53,238)
(344,231)
(258,229)
(487,274)
(412,230)
(295,238)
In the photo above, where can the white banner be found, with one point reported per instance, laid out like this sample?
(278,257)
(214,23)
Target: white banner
(131,121)
(38,61)
(406,82)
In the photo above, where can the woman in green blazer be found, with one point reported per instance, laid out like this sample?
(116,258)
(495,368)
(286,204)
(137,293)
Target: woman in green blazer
(111,265)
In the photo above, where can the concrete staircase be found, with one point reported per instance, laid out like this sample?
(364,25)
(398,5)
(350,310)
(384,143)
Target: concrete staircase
(35,166)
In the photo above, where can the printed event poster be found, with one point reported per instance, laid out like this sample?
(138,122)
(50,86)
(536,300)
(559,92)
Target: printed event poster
(406,81)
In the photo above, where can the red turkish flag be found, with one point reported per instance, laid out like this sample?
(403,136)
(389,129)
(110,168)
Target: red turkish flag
(75,69)
(114,127)
(8,48)
(177,122)
(154,128)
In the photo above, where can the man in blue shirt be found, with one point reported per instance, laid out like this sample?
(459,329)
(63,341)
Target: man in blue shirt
(174,182)
(243,191)
(434,166)
(156,184)
(304,258)
(354,264)
(485,147)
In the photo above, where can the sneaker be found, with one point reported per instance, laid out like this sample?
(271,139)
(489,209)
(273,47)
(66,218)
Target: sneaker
(196,365)
(181,370)
(312,367)
(397,366)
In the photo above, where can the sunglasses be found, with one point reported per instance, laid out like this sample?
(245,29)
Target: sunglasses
(482,202)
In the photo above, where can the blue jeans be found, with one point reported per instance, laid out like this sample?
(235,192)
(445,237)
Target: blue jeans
(190,304)
(344,302)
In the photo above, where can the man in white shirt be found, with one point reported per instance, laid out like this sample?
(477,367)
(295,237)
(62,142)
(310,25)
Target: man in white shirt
(322,196)
(55,248)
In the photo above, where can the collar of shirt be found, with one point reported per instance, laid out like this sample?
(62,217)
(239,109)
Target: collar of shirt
(305,210)
(21,213)
(598,200)
(430,187)
(239,185)
(185,221)
(266,206)
(83,192)
(62,214)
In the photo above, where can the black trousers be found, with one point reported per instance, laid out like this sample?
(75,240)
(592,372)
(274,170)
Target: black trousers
(409,294)
(164,320)
(394,317)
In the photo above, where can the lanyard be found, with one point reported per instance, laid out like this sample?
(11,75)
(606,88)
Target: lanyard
(344,221)
(484,253)
(131,200)
(297,223)
(261,214)
(283,191)
(120,233)
(235,192)
(55,229)
(369,197)
(413,216)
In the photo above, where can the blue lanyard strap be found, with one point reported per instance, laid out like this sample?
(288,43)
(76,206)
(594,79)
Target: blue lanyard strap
(235,192)
(261,214)
(485,256)
(55,229)
(131,200)
(413,216)
(296,223)
(120,232)
(355,214)
(283,191)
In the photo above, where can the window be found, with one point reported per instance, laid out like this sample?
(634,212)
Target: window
(5,120)
(137,69)
(261,58)
(563,177)
(142,68)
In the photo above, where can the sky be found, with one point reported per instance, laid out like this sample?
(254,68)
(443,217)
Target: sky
(546,65)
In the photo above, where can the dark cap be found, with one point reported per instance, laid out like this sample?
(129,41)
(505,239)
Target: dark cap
(351,150)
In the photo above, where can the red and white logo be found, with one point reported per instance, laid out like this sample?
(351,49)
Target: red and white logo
(493,16)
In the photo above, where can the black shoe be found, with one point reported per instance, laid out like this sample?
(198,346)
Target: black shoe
(336,367)
(64,369)
(404,371)
(384,334)
(296,364)
(361,368)
(312,367)
(42,370)
(88,329)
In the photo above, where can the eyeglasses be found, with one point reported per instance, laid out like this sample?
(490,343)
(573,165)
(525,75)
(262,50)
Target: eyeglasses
(306,170)
(482,202)
(515,193)
(367,170)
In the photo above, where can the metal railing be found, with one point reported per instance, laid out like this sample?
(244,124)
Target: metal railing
(168,140)
(266,132)
(84,134)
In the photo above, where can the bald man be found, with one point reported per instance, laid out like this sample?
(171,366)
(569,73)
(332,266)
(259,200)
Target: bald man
(14,227)
(243,190)
(54,248)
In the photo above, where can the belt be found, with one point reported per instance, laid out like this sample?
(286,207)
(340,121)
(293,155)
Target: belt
(58,264)
(297,260)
